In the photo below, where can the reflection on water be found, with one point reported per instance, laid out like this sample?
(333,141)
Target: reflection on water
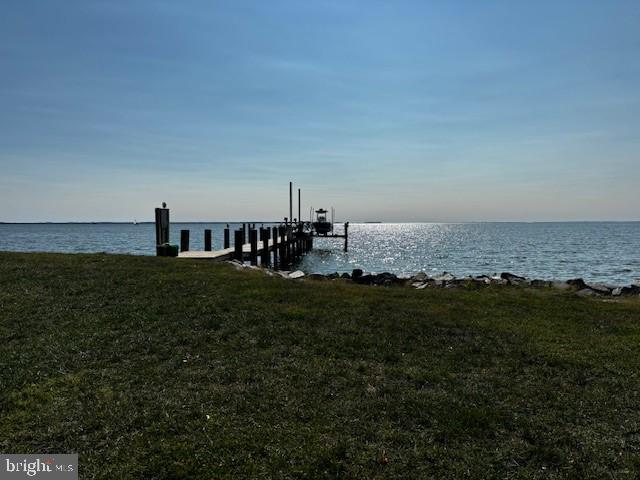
(605,252)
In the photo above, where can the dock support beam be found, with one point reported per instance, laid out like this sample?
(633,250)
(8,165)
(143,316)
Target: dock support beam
(253,238)
(264,234)
(238,241)
(184,240)
(275,246)
(207,240)
(283,246)
(225,244)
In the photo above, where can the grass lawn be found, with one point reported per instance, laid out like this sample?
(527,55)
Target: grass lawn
(164,368)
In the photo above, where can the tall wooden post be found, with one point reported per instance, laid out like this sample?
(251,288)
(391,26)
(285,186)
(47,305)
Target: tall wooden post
(244,233)
(184,240)
(290,201)
(162,228)
(299,217)
(207,240)
(226,237)
(238,241)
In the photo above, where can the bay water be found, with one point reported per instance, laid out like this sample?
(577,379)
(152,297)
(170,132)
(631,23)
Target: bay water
(605,252)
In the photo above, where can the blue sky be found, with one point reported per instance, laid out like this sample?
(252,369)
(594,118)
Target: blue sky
(396,111)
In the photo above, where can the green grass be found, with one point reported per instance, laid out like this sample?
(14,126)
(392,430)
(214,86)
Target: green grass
(165,368)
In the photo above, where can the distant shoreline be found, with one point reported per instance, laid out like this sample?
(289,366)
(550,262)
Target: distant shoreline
(223,222)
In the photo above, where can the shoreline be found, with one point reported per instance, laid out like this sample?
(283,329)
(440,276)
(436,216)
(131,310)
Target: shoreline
(418,280)
(422,280)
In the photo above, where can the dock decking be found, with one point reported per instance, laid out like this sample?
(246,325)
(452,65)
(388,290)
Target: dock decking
(228,253)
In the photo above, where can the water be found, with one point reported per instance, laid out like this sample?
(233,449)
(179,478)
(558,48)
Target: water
(137,239)
(607,252)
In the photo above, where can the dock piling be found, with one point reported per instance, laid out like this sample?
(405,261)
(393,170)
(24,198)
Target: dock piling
(225,244)
(290,201)
(283,246)
(264,233)
(299,197)
(253,239)
(184,240)
(238,241)
(207,240)
(162,229)
(275,247)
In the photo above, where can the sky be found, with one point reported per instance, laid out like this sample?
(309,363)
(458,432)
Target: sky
(387,110)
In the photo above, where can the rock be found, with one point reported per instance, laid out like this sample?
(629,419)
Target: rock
(333,275)
(345,275)
(483,279)
(236,264)
(419,277)
(587,292)
(541,283)
(577,283)
(601,289)
(283,273)
(418,284)
(616,292)
(317,276)
(364,279)
(630,290)
(445,277)
(561,285)
(296,274)
(356,273)
(510,277)
(424,285)
(385,279)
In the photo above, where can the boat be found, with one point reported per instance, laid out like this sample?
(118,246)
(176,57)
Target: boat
(322,226)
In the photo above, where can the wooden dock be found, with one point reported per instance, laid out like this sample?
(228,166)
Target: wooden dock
(228,253)
(278,246)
